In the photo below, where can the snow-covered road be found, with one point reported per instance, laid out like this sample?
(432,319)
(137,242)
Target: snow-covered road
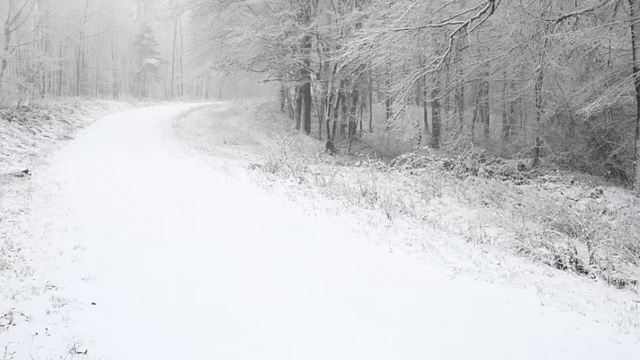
(183,263)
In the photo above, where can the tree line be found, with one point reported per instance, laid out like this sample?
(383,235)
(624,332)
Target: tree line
(523,78)
(103,48)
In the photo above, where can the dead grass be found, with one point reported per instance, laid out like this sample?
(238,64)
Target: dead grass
(546,216)
(30,130)
(27,134)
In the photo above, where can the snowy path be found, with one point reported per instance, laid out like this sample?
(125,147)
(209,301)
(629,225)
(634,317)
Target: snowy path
(183,264)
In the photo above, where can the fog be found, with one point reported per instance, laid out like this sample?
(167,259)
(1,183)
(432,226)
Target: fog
(110,49)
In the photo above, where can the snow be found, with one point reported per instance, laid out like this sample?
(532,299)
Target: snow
(135,246)
(28,133)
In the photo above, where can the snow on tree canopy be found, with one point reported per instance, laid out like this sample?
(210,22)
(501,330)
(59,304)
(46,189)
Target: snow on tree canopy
(148,59)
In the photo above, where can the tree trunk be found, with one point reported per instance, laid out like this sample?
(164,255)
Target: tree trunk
(425,101)
(326,109)
(447,97)
(538,107)
(506,123)
(173,59)
(344,109)
(513,113)
(282,98)
(435,113)
(370,101)
(180,59)
(60,67)
(306,85)
(334,113)
(425,110)
(322,113)
(5,55)
(486,115)
(353,111)
(388,102)
(477,110)
(634,6)
(306,99)
(418,87)
(333,101)
(298,106)
(460,106)
(459,96)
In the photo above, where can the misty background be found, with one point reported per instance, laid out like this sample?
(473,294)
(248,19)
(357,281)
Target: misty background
(108,49)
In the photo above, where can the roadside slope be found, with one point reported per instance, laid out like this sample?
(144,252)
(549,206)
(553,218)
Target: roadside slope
(230,133)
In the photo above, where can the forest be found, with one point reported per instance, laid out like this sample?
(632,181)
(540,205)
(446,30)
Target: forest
(526,79)
(295,179)
(523,79)
(103,49)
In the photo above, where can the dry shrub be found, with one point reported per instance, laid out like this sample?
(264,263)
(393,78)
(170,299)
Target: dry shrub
(587,237)
(600,145)
(589,240)
(286,157)
(478,163)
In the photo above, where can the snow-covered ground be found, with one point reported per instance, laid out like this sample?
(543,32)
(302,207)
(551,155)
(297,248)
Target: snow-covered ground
(136,246)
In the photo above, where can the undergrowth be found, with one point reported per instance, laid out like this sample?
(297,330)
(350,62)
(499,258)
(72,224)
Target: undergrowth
(545,215)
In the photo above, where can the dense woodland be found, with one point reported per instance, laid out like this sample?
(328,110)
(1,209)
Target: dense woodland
(527,78)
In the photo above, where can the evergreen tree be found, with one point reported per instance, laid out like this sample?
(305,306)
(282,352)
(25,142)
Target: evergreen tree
(148,60)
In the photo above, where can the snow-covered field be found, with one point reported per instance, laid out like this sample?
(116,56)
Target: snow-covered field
(138,241)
